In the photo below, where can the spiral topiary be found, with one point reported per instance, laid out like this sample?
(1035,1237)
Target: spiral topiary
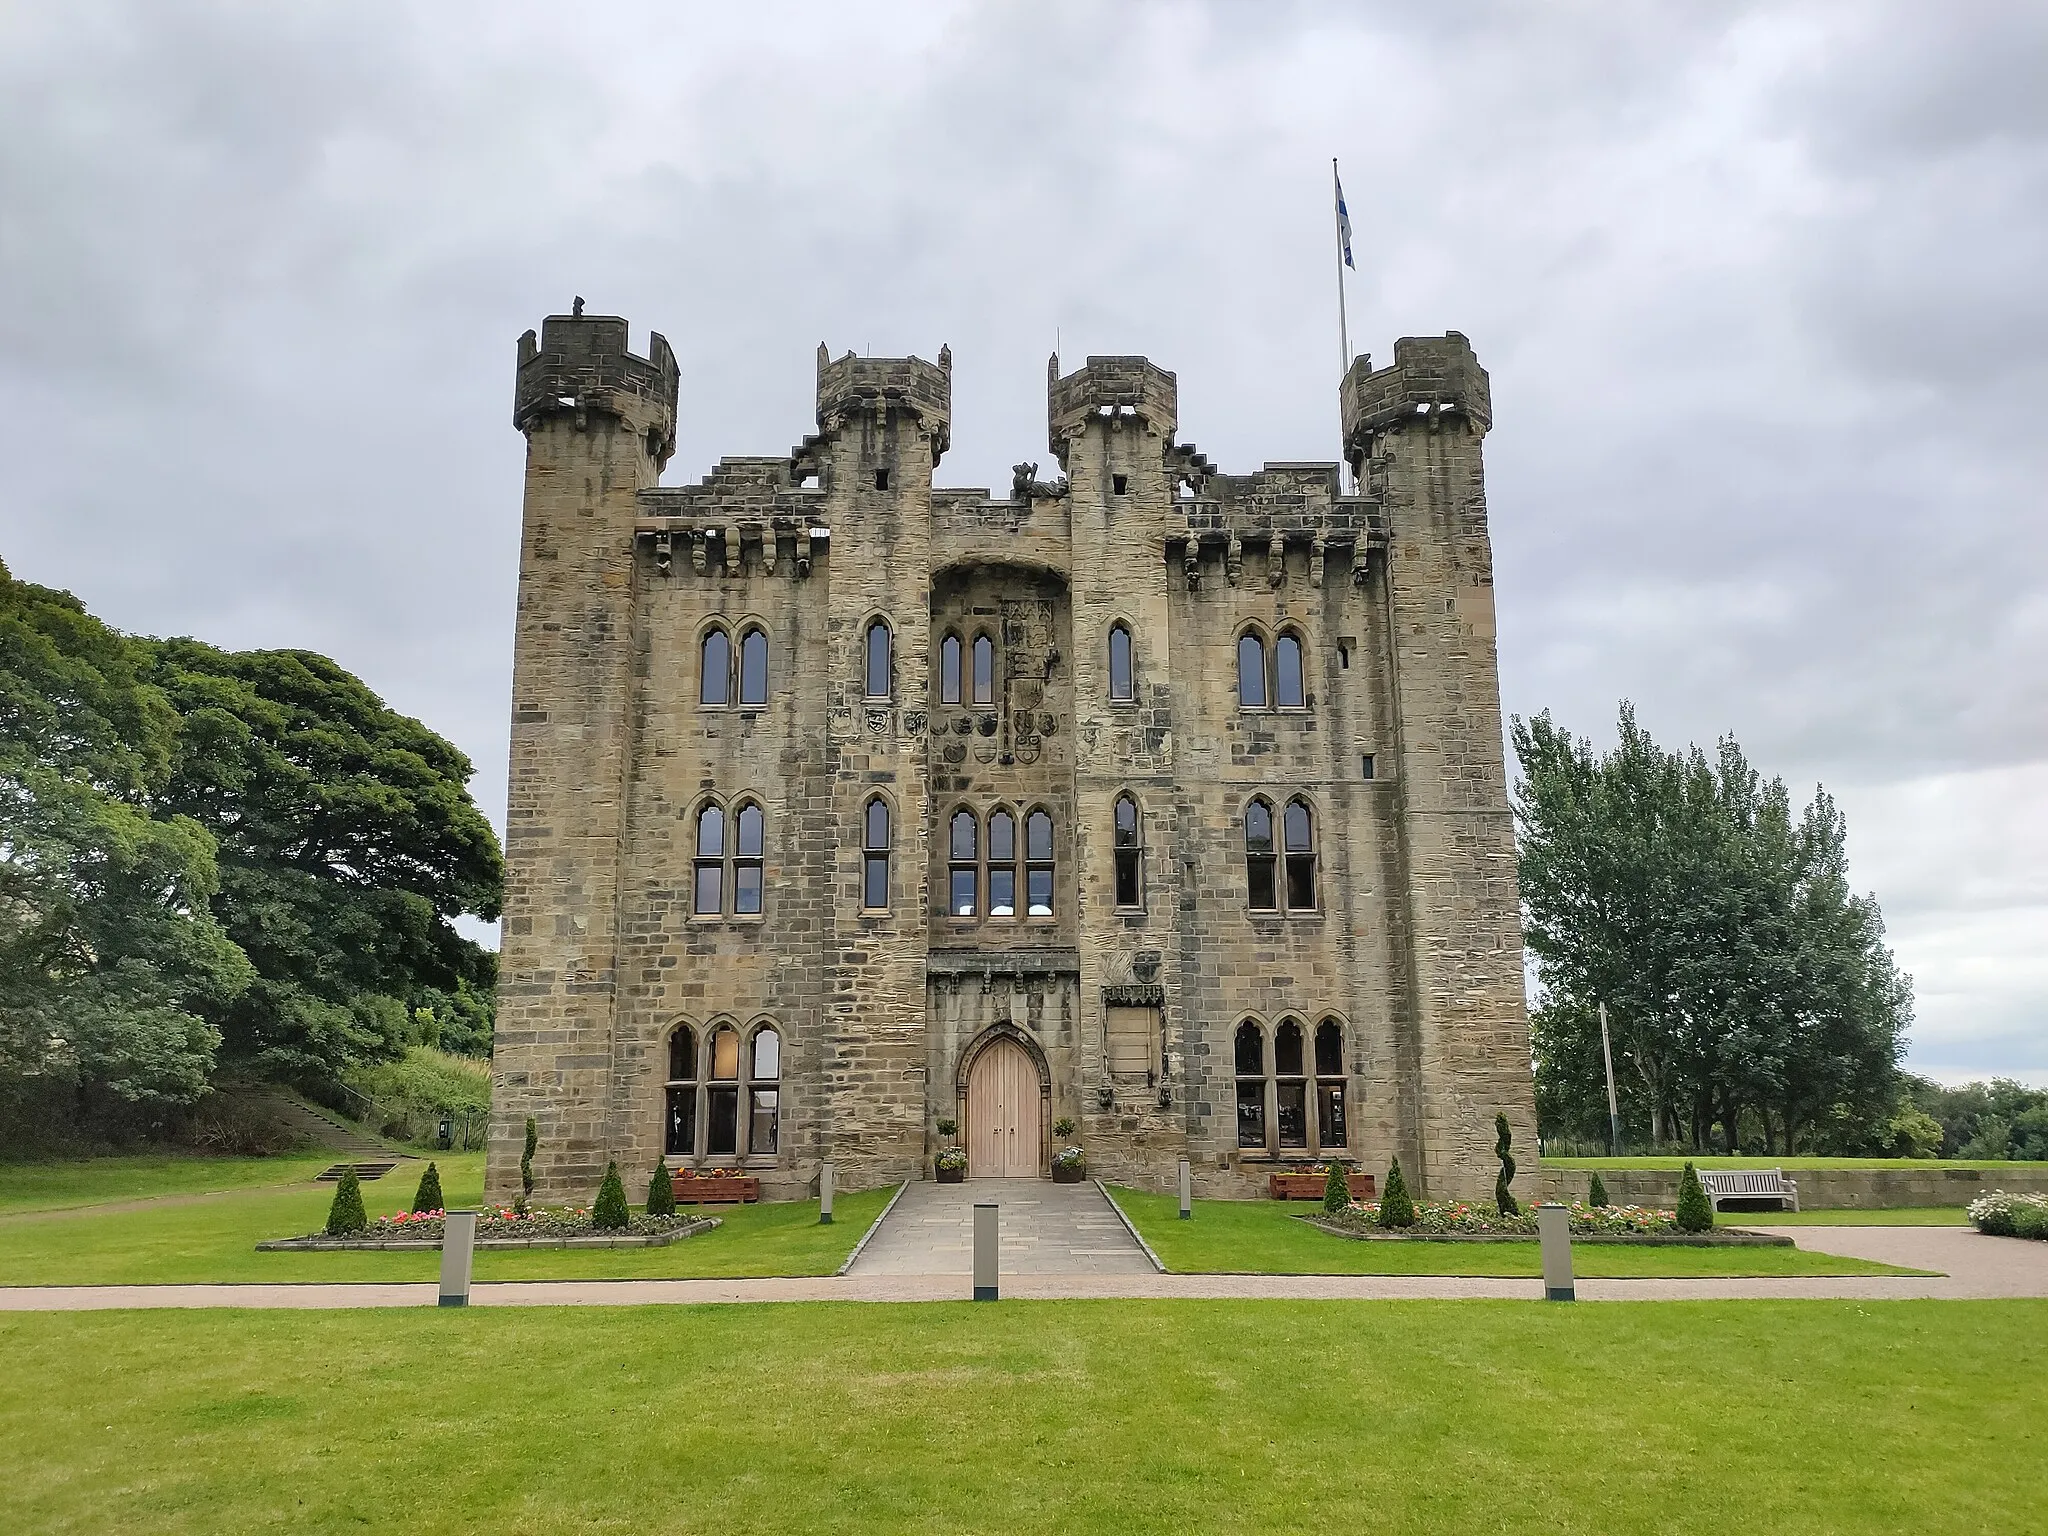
(1695,1210)
(428,1196)
(1509,1206)
(661,1191)
(345,1217)
(609,1213)
(526,1166)
(1396,1209)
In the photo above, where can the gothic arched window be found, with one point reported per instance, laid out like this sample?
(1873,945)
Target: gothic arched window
(1331,1132)
(679,1132)
(1038,864)
(1290,1086)
(1251,1085)
(1289,689)
(874,874)
(984,670)
(1298,838)
(1122,677)
(722,1094)
(949,670)
(754,667)
(764,1091)
(710,884)
(1002,864)
(1262,889)
(964,874)
(877,665)
(1130,854)
(749,852)
(714,672)
(1251,671)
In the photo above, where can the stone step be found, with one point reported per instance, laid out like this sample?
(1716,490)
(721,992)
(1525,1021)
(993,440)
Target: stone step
(364,1171)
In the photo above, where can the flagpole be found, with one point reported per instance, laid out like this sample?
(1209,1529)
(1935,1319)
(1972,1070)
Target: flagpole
(1343,319)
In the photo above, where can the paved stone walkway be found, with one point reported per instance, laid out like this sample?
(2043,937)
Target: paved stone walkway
(1043,1229)
(1974,1266)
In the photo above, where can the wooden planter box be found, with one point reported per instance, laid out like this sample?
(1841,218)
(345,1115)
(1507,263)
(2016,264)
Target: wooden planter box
(740,1189)
(1309,1186)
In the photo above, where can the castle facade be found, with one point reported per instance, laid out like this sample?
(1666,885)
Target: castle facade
(1161,800)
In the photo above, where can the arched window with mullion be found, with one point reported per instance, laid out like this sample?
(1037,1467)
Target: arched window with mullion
(949,670)
(1129,853)
(750,827)
(1332,1134)
(1299,839)
(1038,864)
(1250,1055)
(709,895)
(1290,1085)
(984,669)
(1002,864)
(679,1133)
(764,1091)
(1123,686)
(963,866)
(714,668)
(874,873)
(1251,670)
(754,667)
(1290,689)
(877,661)
(1261,881)
(722,1094)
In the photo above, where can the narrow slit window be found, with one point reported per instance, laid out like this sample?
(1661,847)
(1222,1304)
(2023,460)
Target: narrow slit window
(1251,672)
(1259,858)
(1290,1095)
(1368,768)
(1122,679)
(1251,1086)
(723,1096)
(963,869)
(1288,689)
(754,667)
(881,479)
(1002,864)
(764,1092)
(984,670)
(710,892)
(1331,1132)
(878,658)
(679,1132)
(949,670)
(1038,865)
(1119,484)
(715,669)
(874,877)
(1130,855)
(749,852)
(1300,839)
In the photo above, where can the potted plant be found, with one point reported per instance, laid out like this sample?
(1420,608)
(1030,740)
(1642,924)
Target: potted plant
(1063,1127)
(951,1164)
(1069,1165)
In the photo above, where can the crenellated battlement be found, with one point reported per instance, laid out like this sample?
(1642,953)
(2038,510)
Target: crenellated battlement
(852,385)
(1433,377)
(1113,389)
(581,363)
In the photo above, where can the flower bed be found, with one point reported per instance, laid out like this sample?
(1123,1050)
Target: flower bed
(1456,1220)
(2001,1215)
(503,1227)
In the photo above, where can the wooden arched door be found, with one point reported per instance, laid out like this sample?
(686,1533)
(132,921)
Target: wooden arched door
(1005,1114)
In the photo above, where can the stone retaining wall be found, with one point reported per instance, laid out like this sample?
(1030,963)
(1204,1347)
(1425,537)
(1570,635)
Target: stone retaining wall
(1820,1189)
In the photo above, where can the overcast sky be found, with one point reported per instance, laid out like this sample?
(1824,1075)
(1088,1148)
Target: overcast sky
(1763,291)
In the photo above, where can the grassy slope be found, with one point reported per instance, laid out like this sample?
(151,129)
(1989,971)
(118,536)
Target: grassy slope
(216,1241)
(63,1185)
(1263,1237)
(1673,1164)
(1129,1417)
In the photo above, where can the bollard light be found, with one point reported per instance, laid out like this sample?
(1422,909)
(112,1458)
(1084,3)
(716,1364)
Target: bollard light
(1187,1191)
(985,1252)
(1554,1233)
(458,1248)
(824,1194)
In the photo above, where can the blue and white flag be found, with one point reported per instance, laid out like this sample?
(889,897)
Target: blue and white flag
(1343,222)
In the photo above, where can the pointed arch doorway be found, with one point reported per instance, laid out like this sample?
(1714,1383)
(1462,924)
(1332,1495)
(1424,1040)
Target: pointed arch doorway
(1005,1113)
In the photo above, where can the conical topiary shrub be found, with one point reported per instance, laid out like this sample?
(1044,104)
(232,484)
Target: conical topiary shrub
(1506,1202)
(1695,1210)
(609,1214)
(345,1217)
(428,1196)
(1596,1194)
(661,1191)
(1336,1193)
(1396,1209)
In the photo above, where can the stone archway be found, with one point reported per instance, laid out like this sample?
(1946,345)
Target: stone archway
(1004,1088)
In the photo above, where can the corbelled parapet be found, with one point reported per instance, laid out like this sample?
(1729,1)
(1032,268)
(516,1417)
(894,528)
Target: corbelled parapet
(852,385)
(1115,388)
(1432,376)
(581,363)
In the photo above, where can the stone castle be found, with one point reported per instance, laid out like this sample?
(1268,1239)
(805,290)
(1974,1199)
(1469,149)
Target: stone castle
(1164,801)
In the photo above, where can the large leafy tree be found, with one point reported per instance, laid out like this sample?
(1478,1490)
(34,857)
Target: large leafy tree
(1741,974)
(348,844)
(111,961)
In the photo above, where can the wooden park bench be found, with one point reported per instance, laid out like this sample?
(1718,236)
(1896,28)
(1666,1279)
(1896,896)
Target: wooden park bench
(1750,1184)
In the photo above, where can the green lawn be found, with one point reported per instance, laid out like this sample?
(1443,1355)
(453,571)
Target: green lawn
(1264,1237)
(58,1186)
(1128,1417)
(1674,1164)
(1903,1216)
(215,1240)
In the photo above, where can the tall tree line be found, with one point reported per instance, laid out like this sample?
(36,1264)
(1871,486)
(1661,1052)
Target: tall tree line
(213,860)
(1748,988)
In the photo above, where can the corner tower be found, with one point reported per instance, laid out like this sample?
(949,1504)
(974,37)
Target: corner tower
(1412,433)
(599,423)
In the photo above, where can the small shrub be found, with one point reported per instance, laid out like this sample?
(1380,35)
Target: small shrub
(1396,1209)
(2030,1221)
(428,1196)
(1504,1140)
(526,1167)
(948,1126)
(2001,1215)
(1063,1127)
(1596,1194)
(345,1216)
(1695,1210)
(1336,1193)
(609,1213)
(661,1191)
